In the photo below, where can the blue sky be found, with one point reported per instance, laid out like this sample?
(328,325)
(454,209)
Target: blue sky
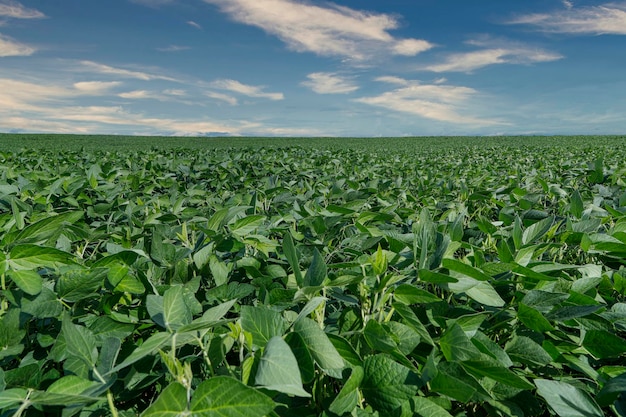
(313,68)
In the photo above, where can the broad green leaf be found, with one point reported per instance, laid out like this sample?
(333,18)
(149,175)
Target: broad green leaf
(525,350)
(321,348)
(278,369)
(576,205)
(51,226)
(435,277)
(533,319)
(451,380)
(310,306)
(377,337)
(485,294)
(424,407)
(535,231)
(465,269)
(567,400)
(71,384)
(602,344)
(176,310)
(348,397)
(613,389)
(411,320)
(45,305)
(172,402)
(456,346)
(32,257)
(76,284)
(150,347)
(292,257)
(247,225)
(410,294)
(303,356)
(379,262)
(387,384)
(346,350)
(12,397)
(262,323)
(223,396)
(317,271)
(28,281)
(80,342)
(487,367)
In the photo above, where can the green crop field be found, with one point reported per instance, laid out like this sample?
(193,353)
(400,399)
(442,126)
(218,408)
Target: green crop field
(250,277)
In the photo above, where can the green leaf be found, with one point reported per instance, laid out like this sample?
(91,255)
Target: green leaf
(525,350)
(348,397)
(456,346)
(12,397)
(278,369)
(576,205)
(379,262)
(378,338)
(411,320)
(465,269)
(452,381)
(45,305)
(226,397)
(435,277)
(32,257)
(410,294)
(76,284)
(80,342)
(535,231)
(346,350)
(292,257)
(485,294)
(533,319)
(424,407)
(317,271)
(263,323)
(613,389)
(176,309)
(149,347)
(602,344)
(387,384)
(71,384)
(303,356)
(171,403)
(567,400)
(247,225)
(487,367)
(51,226)
(321,348)
(28,281)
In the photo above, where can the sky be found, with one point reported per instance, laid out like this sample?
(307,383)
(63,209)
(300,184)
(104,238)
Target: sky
(313,68)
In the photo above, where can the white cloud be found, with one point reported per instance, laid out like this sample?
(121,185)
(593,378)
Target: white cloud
(175,92)
(432,101)
(608,18)
(568,4)
(246,90)
(194,24)
(10,47)
(329,83)
(15,10)
(136,94)
(495,52)
(174,48)
(328,30)
(124,73)
(222,97)
(96,87)
(392,80)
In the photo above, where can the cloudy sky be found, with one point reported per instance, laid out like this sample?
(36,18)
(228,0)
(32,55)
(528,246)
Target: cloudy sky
(313,67)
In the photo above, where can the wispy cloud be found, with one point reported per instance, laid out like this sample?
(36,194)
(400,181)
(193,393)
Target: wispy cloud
(222,97)
(174,48)
(608,18)
(329,83)
(493,52)
(96,87)
(439,102)
(98,68)
(324,28)
(245,89)
(11,47)
(194,24)
(15,10)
